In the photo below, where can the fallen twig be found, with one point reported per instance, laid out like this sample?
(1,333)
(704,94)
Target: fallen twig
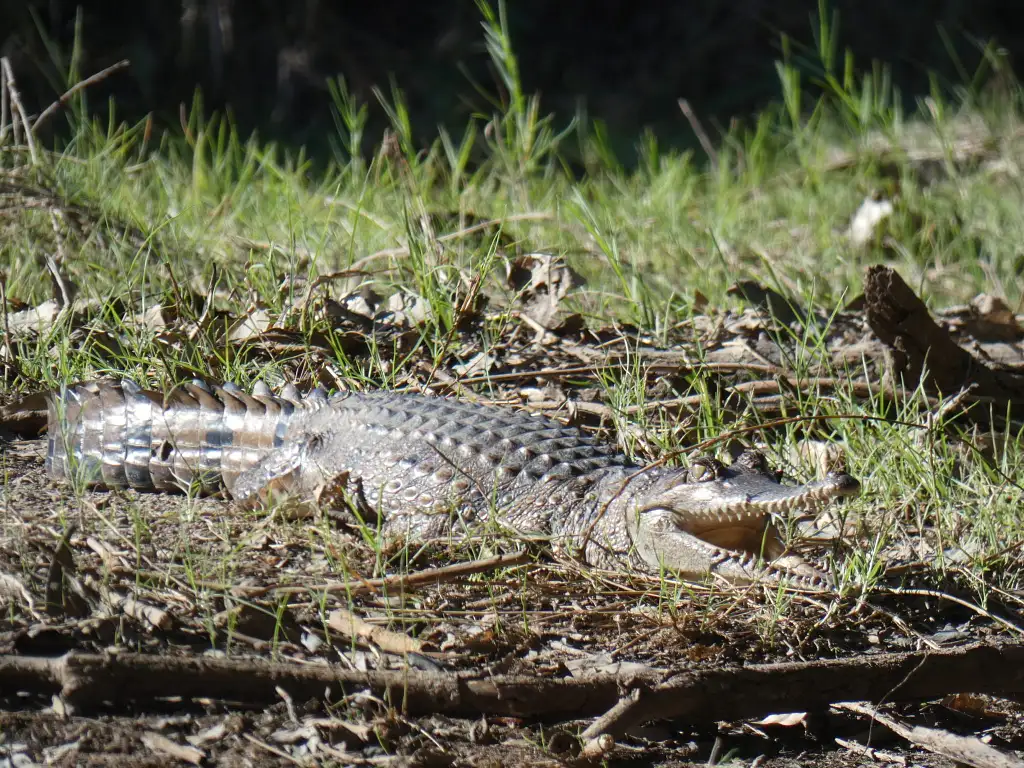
(699,132)
(963,749)
(609,721)
(140,610)
(161,745)
(47,113)
(17,110)
(3,106)
(396,582)
(875,755)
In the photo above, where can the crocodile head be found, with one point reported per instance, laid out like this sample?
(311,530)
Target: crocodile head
(712,519)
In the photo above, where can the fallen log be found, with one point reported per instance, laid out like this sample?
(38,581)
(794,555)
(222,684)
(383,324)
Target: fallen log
(97,682)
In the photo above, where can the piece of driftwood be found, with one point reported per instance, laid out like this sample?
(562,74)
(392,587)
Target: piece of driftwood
(923,352)
(90,682)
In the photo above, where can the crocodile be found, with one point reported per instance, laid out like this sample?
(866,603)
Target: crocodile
(419,466)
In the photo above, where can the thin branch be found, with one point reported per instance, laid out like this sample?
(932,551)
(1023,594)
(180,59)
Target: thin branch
(18,109)
(4,109)
(69,94)
(395,583)
(698,129)
(9,356)
(964,750)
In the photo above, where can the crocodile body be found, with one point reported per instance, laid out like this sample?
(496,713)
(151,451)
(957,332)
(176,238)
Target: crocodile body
(423,467)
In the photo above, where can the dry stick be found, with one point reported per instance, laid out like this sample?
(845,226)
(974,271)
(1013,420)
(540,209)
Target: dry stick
(16,107)
(962,749)
(355,627)
(9,355)
(3,106)
(161,745)
(875,755)
(64,290)
(595,750)
(1017,630)
(656,366)
(136,608)
(88,681)
(69,94)
(271,749)
(698,130)
(396,582)
(754,388)
(607,723)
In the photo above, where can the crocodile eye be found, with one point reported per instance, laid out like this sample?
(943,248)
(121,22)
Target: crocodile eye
(703,470)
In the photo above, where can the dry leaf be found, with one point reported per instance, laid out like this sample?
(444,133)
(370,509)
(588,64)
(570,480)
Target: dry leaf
(250,327)
(542,280)
(786,720)
(209,735)
(478,365)
(977,705)
(404,309)
(361,731)
(156,317)
(38,319)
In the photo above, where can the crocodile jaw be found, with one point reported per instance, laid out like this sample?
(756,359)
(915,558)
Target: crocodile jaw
(722,524)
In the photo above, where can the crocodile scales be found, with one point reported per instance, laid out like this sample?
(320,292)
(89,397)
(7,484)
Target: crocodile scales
(425,466)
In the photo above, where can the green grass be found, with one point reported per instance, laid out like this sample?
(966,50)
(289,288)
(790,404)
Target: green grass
(212,225)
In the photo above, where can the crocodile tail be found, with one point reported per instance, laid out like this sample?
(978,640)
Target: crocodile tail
(197,438)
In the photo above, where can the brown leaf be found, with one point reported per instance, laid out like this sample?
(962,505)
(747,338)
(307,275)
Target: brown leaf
(977,705)
(26,416)
(156,317)
(37,319)
(478,365)
(542,280)
(250,327)
(767,300)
